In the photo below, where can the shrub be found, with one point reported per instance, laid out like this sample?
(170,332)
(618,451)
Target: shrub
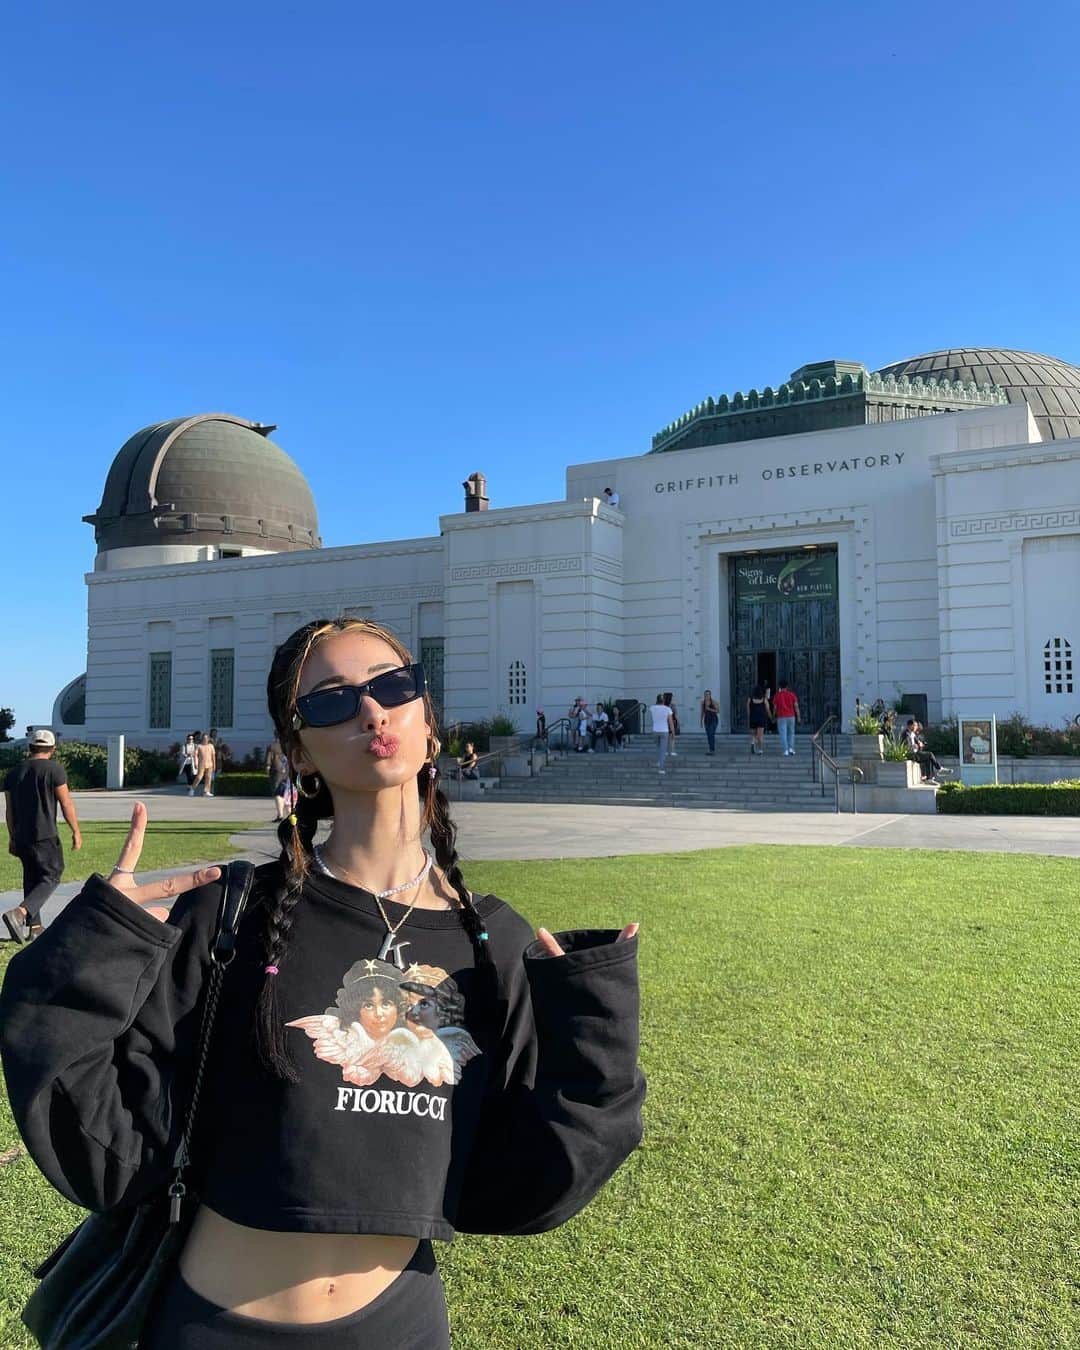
(866,724)
(895,752)
(253,762)
(942,738)
(143,768)
(477,732)
(501,725)
(1010,799)
(246,784)
(85,765)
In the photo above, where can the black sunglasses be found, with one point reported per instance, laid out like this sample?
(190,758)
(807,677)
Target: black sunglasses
(329,707)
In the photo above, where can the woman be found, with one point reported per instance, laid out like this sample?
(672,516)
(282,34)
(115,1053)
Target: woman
(710,717)
(468,762)
(187,758)
(584,718)
(277,769)
(757,717)
(574,716)
(320,1193)
(669,701)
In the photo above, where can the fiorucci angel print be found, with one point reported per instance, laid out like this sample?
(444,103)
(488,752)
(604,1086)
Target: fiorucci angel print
(463,1075)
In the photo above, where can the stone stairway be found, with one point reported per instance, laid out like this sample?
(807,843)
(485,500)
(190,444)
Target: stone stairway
(731,779)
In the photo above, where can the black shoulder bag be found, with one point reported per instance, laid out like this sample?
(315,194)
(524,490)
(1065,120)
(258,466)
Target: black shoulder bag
(96,1288)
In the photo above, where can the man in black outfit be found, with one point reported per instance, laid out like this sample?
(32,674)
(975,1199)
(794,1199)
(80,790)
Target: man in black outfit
(927,761)
(31,793)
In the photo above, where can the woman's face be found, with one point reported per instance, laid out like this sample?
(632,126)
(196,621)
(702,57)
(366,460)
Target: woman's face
(378,1014)
(380,747)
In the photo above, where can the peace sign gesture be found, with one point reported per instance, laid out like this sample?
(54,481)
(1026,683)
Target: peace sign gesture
(122,877)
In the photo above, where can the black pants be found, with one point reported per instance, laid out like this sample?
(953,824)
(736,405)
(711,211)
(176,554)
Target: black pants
(42,866)
(927,761)
(409,1315)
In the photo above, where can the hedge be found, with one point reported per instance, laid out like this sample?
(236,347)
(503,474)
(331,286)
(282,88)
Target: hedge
(1016,736)
(241,785)
(1010,799)
(86,765)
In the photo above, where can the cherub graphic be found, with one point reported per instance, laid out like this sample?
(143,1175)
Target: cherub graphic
(406,1028)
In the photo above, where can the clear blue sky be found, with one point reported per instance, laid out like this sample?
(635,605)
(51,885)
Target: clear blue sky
(426,239)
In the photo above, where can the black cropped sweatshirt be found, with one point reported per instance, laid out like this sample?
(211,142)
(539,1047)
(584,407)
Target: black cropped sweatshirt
(430,1097)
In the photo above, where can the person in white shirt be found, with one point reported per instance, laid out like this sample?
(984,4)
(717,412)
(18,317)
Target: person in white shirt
(662,726)
(584,717)
(611,498)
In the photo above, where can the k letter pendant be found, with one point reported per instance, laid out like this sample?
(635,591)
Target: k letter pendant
(391,950)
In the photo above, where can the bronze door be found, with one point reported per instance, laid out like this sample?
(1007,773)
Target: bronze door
(801,635)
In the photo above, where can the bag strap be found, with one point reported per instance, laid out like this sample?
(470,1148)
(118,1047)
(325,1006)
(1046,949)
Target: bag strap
(238,878)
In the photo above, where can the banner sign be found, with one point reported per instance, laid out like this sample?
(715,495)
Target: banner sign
(807,576)
(978,749)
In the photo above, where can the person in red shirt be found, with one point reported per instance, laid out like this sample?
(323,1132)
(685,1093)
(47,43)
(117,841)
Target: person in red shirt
(786,709)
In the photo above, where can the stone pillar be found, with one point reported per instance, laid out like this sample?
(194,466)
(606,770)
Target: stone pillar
(114,779)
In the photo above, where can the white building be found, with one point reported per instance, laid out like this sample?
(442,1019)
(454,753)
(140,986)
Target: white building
(916,531)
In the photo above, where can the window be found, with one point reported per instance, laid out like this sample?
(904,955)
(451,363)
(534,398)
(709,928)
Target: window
(432,658)
(517,692)
(160,690)
(221,687)
(1058,666)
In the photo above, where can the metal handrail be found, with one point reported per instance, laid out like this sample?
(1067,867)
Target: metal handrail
(829,727)
(458,777)
(855,774)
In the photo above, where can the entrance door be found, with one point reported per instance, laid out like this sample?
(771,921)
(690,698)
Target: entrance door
(784,625)
(766,670)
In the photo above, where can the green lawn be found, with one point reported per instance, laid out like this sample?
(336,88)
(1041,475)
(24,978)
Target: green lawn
(861,1125)
(167,844)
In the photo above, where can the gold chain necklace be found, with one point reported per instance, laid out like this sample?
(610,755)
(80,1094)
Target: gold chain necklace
(389,947)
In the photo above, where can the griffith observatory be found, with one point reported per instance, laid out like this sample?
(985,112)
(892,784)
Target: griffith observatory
(908,531)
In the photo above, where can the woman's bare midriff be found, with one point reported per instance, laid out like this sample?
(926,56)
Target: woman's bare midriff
(289,1277)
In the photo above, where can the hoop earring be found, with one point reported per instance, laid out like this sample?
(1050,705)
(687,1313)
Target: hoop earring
(315,790)
(434,748)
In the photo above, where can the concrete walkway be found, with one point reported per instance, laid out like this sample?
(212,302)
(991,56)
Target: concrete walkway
(493,830)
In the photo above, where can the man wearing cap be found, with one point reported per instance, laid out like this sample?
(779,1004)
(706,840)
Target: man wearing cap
(31,793)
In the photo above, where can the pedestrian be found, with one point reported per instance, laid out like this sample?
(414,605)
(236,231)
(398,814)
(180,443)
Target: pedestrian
(757,718)
(661,725)
(599,728)
(786,710)
(507,1089)
(468,762)
(205,766)
(710,718)
(669,699)
(573,716)
(215,768)
(32,792)
(277,769)
(929,764)
(616,729)
(541,725)
(584,718)
(187,759)
(611,497)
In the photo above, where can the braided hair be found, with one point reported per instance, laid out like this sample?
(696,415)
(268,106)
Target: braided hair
(296,833)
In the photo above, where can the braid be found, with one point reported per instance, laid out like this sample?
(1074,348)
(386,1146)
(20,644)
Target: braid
(443,834)
(297,836)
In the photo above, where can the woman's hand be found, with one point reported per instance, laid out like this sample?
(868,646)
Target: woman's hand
(553,948)
(122,877)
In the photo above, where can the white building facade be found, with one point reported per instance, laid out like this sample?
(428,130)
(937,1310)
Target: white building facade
(934,555)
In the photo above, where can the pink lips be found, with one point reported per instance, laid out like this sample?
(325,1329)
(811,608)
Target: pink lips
(383,746)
